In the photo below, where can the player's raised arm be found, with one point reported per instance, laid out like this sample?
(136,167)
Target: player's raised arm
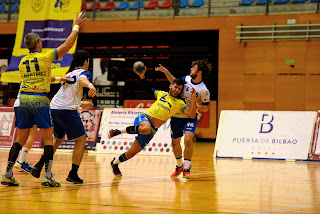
(191,111)
(169,76)
(67,45)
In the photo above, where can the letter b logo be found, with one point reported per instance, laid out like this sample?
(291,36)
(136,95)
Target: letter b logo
(266,127)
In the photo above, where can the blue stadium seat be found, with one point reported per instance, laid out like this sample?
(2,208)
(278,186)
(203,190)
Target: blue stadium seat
(14,8)
(281,2)
(4,2)
(3,9)
(135,5)
(298,1)
(184,4)
(246,2)
(263,2)
(313,0)
(122,6)
(15,1)
(197,3)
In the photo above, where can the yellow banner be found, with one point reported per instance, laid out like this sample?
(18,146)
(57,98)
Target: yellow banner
(52,20)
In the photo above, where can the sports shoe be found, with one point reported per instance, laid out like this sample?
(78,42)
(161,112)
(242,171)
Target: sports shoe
(50,182)
(186,174)
(178,171)
(24,167)
(113,132)
(9,181)
(74,178)
(35,172)
(115,169)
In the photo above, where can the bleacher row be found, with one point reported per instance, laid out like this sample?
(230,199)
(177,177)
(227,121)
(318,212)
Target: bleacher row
(123,5)
(263,2)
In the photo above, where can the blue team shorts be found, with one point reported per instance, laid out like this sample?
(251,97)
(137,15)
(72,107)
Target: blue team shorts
(67,122)
(181,125)
(142,139)
(34,109)
(16,113)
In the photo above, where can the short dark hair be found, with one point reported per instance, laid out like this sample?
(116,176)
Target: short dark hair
(79,57)
(203,66)
(178,81)
(31,40)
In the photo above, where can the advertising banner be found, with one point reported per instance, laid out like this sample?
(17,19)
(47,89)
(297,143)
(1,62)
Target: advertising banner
(265,134)
(118,118)
(52,20)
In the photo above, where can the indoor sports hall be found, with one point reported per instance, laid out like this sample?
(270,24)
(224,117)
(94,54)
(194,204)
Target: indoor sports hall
(253,144)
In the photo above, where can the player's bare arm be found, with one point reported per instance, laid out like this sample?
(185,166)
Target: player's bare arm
(67,45)
(84,82)
(169,76)
(191,111)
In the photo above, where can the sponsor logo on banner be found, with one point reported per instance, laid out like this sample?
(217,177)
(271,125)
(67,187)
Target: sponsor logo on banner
(261,134)
(202,117)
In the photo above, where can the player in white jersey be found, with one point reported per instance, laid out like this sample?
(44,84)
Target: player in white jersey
(180,123)
(66,119)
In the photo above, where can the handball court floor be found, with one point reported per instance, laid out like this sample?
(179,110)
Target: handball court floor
(218,186)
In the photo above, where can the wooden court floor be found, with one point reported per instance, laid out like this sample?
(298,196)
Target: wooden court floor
(218,186)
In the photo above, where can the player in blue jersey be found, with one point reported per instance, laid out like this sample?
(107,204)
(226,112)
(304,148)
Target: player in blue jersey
(66,119)
(180,123)
(35,71)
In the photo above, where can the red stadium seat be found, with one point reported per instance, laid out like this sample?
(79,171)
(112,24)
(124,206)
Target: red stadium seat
(83,6)
(108,6)
(98,7)
(152,5)
(166,4)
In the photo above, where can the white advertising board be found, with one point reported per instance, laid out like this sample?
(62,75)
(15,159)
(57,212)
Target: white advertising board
(120,118)
(265,134)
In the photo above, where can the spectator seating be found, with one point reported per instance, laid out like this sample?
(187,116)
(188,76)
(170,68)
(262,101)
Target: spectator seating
(281,2)
(152,5)
(98,6)
(197,3)
(298,1)
(246,2)
(166,4)
(135,5)
(263,2)
(14,8)
(3,9)
(108,6)
(83,6)
(122,6)
(184,3)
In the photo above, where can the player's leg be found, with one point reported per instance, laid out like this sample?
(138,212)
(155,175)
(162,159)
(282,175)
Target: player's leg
(189,131)
(177,127)
(188,151)
(7,178)
(133,150)
(76,159)
(22,163)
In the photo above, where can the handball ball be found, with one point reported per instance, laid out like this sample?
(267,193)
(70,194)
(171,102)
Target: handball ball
(138,67)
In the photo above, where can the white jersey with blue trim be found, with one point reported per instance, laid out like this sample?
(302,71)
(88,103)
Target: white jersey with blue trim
(70,93)
(202,93)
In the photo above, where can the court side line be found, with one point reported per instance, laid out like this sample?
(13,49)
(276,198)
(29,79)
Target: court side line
(284,208)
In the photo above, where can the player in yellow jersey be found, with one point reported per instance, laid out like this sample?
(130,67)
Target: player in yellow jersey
(35,70)
(147,124)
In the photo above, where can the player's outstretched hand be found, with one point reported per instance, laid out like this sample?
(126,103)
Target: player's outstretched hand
(141,75)
(193,94)
(92,91)
(161,68)
(80,18)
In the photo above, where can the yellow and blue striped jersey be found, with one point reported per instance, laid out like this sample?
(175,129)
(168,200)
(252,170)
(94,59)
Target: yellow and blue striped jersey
(165,106)
(35,71)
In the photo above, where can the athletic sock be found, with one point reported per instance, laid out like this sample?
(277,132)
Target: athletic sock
(187,164)
(40,163)
(74,169)
(120,159)
(48,160)
(179,161)
(132,129)
(24,155)
(13,155)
